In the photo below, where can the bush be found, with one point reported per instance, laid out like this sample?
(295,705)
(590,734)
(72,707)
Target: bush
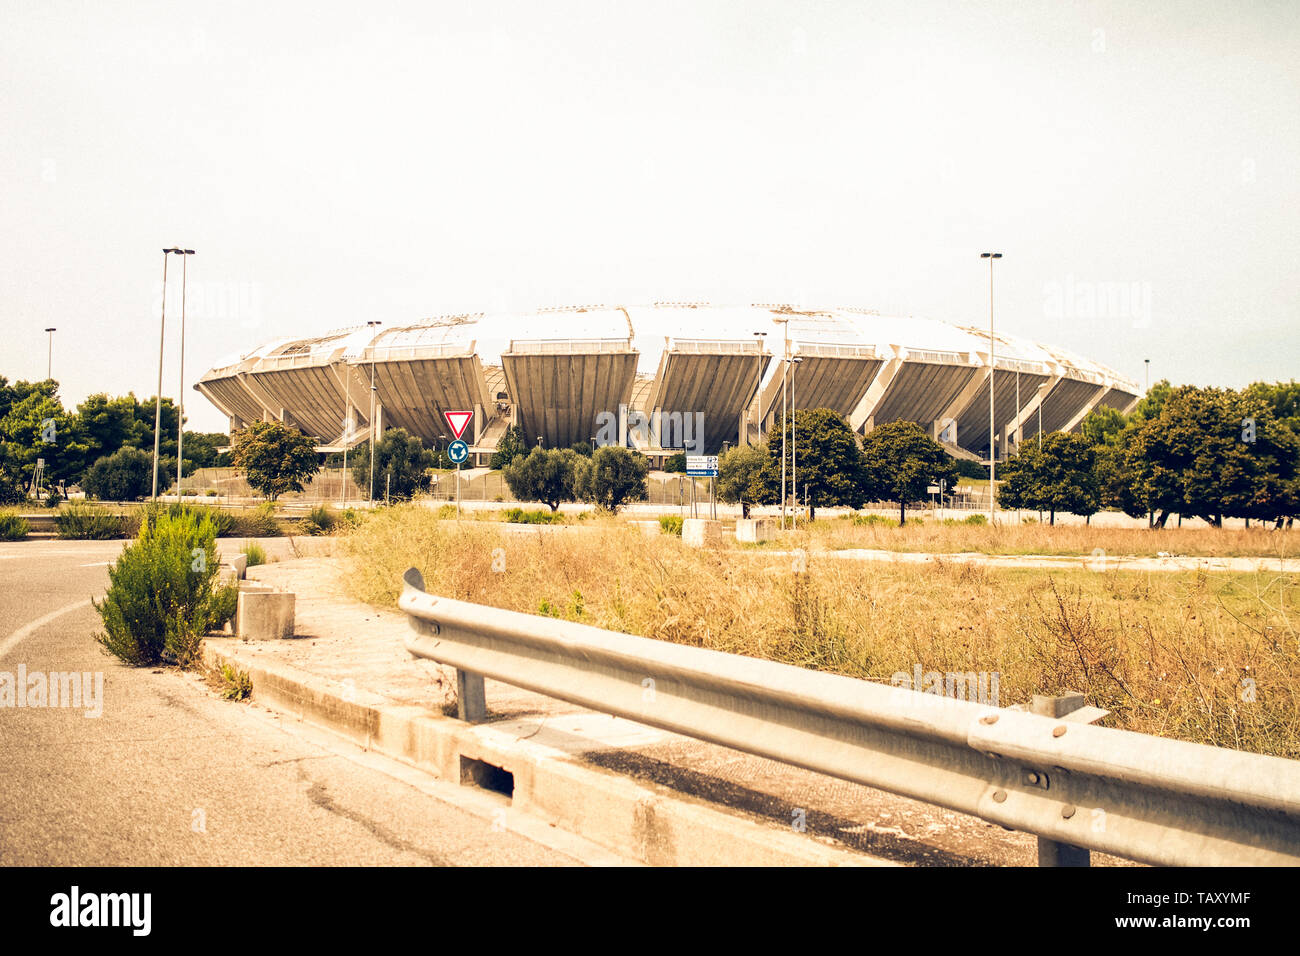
(212,492)
(237,685)
(125,475)
(12,527)
(976,519)
(873,520)
(670,524)
(255,553)
(259,522)
(676,463)
(53,499)
(320,521)
(520,516)
(162,597)
(86,522)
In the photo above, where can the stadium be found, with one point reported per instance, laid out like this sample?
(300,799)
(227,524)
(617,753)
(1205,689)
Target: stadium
(637,374)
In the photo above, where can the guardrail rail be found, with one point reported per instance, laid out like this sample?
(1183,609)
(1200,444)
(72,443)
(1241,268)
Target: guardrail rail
(1145,798)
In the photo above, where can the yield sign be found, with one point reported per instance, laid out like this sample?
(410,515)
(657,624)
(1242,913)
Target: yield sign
(458,421)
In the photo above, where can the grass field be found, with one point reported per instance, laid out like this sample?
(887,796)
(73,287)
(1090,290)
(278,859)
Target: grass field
(956,537)
(1206,658)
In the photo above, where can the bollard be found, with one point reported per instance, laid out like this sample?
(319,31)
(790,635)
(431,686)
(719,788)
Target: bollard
(701,533)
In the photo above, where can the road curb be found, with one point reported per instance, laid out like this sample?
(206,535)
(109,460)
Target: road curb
(641,822)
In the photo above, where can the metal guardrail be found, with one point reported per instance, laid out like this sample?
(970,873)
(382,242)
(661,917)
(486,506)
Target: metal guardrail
(1149,799)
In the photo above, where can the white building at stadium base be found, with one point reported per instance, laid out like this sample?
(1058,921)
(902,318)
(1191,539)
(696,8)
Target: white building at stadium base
(578,368)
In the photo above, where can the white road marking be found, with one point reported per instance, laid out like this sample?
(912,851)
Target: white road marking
(12,641)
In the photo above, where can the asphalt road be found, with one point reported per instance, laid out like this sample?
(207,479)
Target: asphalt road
(171,774)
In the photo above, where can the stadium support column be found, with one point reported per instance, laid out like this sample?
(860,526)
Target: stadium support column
(863,413)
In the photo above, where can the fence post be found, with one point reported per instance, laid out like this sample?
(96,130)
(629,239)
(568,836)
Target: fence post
(1051,852)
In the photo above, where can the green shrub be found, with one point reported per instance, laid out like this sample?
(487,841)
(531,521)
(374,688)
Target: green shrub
(238,685)
(12,527)
(85,522)
(520,516)
(320,521)
(259,522)
(670,524)
(162,597)
(873,520)
(977,519)
(212,492)
(447,511)
(125,475)
(255,552)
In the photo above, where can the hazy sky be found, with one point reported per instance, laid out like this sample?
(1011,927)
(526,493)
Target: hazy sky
(1138,164)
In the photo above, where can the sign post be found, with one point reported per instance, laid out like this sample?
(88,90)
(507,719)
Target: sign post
(702,466)
(458,451)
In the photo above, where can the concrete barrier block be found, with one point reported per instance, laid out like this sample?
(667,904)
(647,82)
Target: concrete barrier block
(755,530)
(702,533)
(239,562)
(264,615)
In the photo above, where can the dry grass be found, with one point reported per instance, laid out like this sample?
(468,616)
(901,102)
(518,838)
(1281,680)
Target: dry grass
(1167,653)
(935,536)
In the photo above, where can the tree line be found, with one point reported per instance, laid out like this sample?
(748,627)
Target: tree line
(105,444)
(1211,453)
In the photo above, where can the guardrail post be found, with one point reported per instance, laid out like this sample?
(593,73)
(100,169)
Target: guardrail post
(471,700)
(1051,852)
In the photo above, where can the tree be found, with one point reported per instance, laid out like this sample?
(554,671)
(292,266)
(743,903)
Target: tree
(36,426)
(402,464)
(827,461)
(274,457)
(511,444)
(12,491)
(1214,453)
(201,448)
(545,475)
(742,476)
(676,464)
(1102,426)
(901,461)
(614,477)
(1061,476)
(125,475)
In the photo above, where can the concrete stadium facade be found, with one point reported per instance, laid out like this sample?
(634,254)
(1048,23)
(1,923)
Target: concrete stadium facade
(661,378)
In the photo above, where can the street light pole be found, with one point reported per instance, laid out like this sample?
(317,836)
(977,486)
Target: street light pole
(49,361)
(785,378)
(758,387)
(1041,397)
(1147,362)
(180,417)
(371,324)
(990,256)
(157,405)
(794,440)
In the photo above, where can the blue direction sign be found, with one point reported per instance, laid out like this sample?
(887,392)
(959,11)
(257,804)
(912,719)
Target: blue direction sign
(702,466)
(458,451)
